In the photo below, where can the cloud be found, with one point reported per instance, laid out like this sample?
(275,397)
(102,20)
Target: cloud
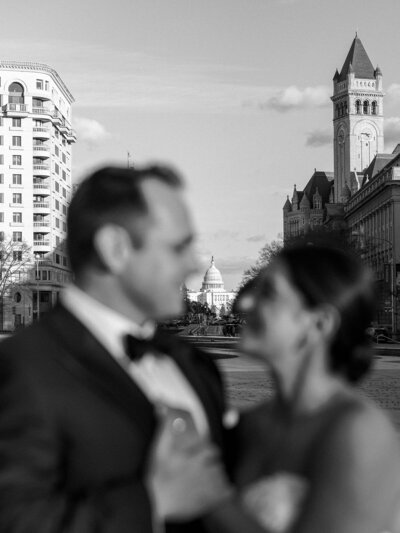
(317,138)
(393,92)
(392,130)
(90,131)
(257,238)
(292,97)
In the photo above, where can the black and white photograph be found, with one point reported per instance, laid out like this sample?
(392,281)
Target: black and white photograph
(200,266)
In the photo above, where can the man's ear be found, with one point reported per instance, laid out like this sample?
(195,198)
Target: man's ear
(113,246)
(328,320)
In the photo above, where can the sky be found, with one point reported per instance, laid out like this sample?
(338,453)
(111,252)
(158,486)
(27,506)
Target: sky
(235,94)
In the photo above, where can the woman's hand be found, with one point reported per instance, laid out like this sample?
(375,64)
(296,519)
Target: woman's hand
(186,478)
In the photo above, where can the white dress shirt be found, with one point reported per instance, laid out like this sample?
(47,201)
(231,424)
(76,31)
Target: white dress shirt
(158,376)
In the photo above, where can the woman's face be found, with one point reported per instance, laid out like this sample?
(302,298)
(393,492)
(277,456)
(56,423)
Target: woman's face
(279,326)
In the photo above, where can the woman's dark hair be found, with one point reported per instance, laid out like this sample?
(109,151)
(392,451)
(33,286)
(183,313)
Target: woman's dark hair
(325,275)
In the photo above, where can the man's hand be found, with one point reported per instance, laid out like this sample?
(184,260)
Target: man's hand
(185,478)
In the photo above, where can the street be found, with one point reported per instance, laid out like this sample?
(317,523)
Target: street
(248,382)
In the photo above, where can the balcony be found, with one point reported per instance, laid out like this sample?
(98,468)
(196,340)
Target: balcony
(41,224)
(41,150)
(41,170)
(57,117)
(41,243)
(64,128)
(41,133)
(71,136)
(41,111)
(42,185)
(41,205)
(15,110)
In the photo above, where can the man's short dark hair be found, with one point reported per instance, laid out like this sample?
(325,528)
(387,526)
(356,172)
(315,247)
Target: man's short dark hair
(110,195)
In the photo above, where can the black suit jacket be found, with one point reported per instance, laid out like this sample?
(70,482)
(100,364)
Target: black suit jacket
(75,431)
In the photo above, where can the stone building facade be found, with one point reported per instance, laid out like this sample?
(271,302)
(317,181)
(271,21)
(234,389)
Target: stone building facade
(362,195)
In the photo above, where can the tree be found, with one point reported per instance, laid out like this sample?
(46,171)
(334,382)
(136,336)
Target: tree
(15,267)
(265,255)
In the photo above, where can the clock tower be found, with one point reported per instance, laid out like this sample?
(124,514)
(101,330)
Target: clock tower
(357,118)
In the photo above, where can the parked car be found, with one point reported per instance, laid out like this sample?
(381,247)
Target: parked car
(379,334)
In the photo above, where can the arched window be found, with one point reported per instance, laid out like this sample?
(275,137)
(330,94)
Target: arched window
(366,107)
(16,93)
(358,107)
(374,108)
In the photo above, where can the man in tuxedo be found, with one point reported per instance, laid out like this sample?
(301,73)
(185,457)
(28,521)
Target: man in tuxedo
(79,389)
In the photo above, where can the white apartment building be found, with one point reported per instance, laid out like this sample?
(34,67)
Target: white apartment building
(35,185)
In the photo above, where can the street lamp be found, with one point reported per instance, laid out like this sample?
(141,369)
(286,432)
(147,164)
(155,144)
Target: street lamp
(37,259)
(393,273)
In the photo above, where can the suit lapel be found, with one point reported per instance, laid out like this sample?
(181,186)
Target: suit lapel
(88,360)
(207,390)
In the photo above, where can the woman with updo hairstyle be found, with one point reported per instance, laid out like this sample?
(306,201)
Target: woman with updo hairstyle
(318,457)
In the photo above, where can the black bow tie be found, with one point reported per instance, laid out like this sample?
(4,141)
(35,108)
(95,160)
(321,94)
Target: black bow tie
(136,348)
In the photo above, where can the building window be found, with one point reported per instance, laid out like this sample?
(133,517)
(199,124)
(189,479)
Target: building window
(374,108)
(16,140)
(17,198)
(64,158)
(64,175)
(2,236)
(64,192)
(57,222)
(64,209)
(1,217)
(17,255)
(17,160)
(57,259)
(16,122)
(57,241)
(1,179)
(1,159)
(57,168)
(57,151)
(17,218)
(1,197)
(366,107)
(36,102)
(56,186)
(46,85)
(1,140)
(17,236)
(57,204)
(39,85)
(16,93)
(1,120)
(358,107)
(17,179)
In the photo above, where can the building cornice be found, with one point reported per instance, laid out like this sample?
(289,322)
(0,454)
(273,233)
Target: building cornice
(38,67)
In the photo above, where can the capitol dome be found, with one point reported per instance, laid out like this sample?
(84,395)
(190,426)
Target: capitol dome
(212,279)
